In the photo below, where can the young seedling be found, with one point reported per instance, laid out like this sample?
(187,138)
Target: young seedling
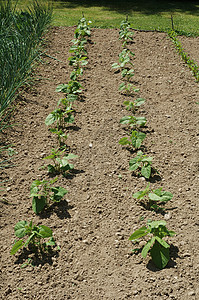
(42,192)
(124,59)
(128,88)
(133,121)
(124,34)
(72,87)
(78,61)
(136,138)
(127,74)
(60,117)
(133,106)
(158,248)
(35,235)
(83,29)
(61,162)
(78,46)
(61,136)
(76,73)
(152,199)
(142,163)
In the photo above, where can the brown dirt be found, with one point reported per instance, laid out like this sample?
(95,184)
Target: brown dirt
(93,224)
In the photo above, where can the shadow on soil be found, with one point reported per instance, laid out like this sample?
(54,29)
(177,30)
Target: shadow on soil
(27,257)
(171,264)
(59,208)
(150,7)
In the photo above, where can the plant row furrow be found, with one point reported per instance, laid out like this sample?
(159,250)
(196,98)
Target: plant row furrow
(44,192)
(141,164)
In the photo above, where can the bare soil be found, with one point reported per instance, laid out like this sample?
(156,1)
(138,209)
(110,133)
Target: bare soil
(92,225)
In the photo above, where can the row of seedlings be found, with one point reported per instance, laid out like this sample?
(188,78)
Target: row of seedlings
(190,62)
(44,192)
(141,164)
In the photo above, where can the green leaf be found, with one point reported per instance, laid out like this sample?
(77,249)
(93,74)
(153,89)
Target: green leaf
(51,169)
(138,195)
(21,229)
(38,204)
(139,101)
(160,255)
(45,231)
(139,233)
(69,119)
(51,242)
(29,239)
(146,171)
(71,156)
(18,245)
(162,242)
(147,247)
(124,141)
(58,193)
(133,166)
(50,119)
(159,195)
(72,97)
(125,120)
(141,194)
(156,224)
(140,121)
(62,88)
(171,233)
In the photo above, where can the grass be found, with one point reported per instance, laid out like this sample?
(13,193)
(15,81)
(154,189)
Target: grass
(146,15)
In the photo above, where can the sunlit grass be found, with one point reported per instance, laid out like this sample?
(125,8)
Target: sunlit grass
(146,15)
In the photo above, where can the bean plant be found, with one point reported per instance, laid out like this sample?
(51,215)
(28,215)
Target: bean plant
(135,139)
(61,162)
(133,105)
(124,59)
(133,121)
(125,34)
(142,164)
(156,246)
(153,198)
(43,192)
(35,236)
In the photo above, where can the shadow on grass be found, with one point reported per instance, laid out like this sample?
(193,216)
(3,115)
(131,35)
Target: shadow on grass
(150,7)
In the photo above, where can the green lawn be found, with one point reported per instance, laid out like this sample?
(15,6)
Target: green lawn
(147,15)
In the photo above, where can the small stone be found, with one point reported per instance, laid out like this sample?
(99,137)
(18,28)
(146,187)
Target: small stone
(167,216)
(135,292)
(90,145)
(43,154)
(142,244)
(85,242)
(186,254)
(191,293)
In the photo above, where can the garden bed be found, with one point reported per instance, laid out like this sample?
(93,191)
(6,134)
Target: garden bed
(93,224)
